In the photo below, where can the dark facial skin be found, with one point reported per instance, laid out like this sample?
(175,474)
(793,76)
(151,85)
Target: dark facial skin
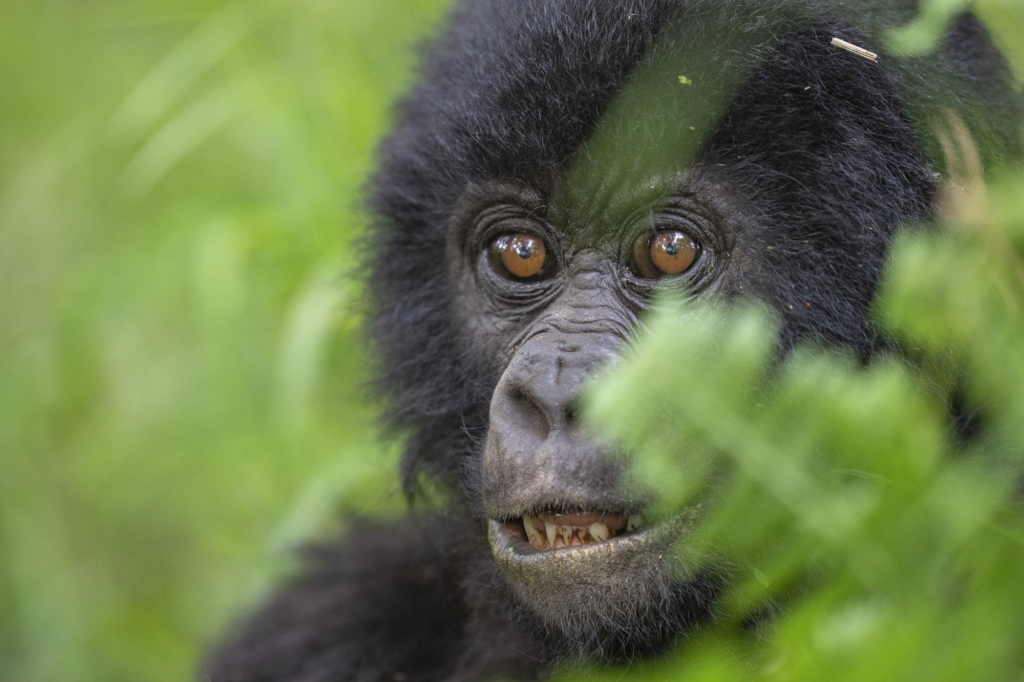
(548,334)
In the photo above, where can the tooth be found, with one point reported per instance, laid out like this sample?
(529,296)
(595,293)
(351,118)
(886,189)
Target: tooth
(599,532)
(550,529)
(565,532)
(634,522)
(575,540)
(531,532)
(559,542)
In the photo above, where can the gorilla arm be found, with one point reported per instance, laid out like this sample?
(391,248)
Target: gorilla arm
(390,604)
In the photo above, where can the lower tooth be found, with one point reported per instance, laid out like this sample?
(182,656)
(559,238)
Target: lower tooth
(634,522)
(549,528)
(599,532)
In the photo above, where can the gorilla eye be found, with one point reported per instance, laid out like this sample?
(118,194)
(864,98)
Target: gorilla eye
(668,252)
(520,257)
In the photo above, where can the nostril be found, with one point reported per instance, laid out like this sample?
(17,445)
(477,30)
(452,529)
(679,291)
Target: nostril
(527,415)
(517,394)
(572,412)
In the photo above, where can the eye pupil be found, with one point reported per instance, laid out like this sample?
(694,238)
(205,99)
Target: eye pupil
(524,251)
(672,249)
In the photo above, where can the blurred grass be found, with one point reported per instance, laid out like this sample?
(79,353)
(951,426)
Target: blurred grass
(180,365)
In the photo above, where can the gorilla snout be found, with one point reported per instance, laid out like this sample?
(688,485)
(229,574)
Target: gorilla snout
(567,534)
(537,453)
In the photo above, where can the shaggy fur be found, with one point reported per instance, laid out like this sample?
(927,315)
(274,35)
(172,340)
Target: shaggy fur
(828,151)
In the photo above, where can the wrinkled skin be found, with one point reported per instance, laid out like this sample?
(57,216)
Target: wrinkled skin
(564,127)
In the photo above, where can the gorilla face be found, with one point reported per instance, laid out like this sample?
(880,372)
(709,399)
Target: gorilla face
(555,296)
(562,161)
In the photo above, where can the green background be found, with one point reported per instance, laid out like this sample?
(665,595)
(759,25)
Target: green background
(182,396)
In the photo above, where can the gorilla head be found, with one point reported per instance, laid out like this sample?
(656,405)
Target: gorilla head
(558,163)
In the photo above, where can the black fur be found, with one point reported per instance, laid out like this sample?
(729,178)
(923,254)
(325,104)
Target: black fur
(388,605)
(826,153)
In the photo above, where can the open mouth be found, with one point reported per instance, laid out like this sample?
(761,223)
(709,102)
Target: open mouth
(548,529)
(573,550)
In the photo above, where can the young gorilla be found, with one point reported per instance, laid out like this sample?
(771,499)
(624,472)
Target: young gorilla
(559,161)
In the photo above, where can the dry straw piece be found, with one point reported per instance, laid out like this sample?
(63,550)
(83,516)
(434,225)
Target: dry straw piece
(859,51)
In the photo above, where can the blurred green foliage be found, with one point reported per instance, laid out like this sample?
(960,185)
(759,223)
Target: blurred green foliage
(833,498)
(1005,19)
(858,537)
(181,396)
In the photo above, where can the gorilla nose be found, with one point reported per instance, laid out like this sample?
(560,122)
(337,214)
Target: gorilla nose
(536,454)
(538,393)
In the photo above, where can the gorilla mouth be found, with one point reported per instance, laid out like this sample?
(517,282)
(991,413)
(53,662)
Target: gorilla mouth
(594,546)
(577,568)
(548,529)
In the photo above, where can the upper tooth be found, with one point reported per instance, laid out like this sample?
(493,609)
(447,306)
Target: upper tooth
(550,529)
(565,532)
(634,522)
(599,531)
(531,532)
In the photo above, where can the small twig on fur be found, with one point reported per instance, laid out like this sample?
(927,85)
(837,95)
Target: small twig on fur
(859,51)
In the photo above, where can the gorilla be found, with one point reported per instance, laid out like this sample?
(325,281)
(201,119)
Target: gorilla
(558,163)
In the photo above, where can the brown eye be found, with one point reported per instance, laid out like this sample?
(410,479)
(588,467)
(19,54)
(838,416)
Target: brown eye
(520,255)
(663,253)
